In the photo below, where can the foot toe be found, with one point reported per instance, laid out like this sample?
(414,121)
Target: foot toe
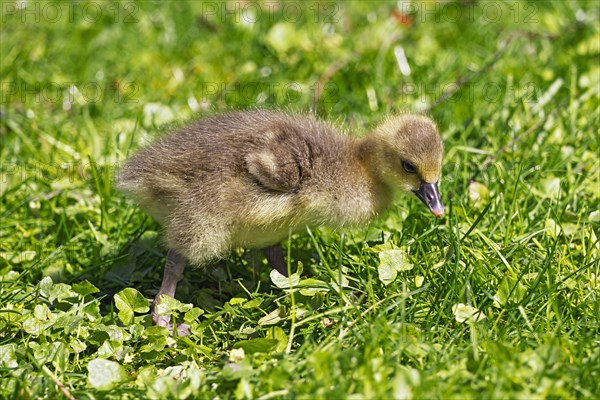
(183,330)
(161,320)
(165,320)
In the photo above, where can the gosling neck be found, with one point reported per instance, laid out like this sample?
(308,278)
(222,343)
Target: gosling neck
(367,153)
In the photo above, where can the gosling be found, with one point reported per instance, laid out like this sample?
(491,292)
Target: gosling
(249,178)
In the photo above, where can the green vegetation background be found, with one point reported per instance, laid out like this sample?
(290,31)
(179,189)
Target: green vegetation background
(394,310)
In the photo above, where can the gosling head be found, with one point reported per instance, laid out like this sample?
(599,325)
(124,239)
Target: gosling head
(406,152)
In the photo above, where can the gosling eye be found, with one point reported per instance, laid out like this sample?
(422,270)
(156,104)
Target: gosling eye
(408,167)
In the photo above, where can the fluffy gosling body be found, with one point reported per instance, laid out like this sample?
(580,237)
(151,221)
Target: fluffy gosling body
(247,178)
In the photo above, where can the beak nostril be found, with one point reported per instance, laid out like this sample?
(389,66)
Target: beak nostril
(429,194)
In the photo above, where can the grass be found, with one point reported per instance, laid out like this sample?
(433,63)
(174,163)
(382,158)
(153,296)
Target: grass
(391,310)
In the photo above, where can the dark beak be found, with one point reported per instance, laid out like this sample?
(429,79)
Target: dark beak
(430,195)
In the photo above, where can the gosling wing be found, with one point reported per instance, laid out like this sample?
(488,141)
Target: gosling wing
(283,163)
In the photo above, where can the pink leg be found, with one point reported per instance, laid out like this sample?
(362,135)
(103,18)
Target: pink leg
(174,267)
